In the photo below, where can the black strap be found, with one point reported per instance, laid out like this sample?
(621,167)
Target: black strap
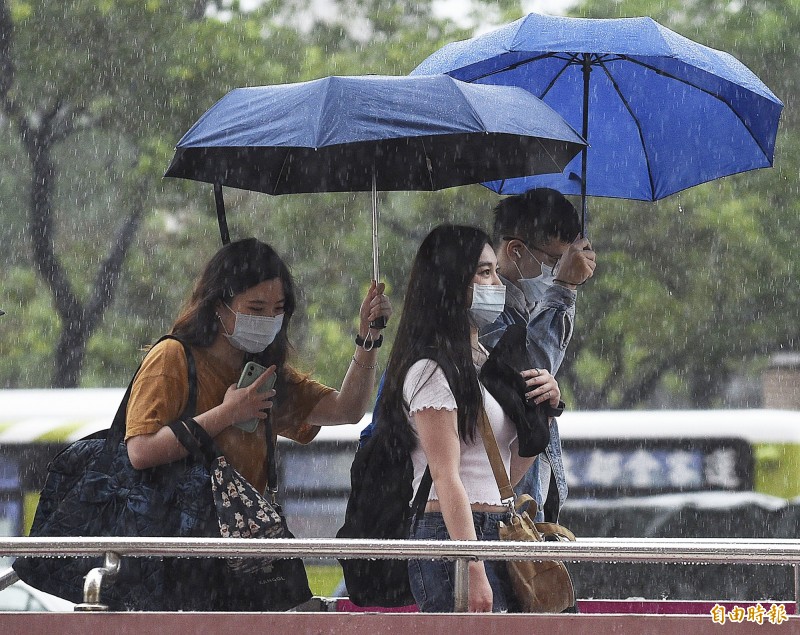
(272,461)
(551,503)
(191,401)
(116,433)
(421,499)
(196,440)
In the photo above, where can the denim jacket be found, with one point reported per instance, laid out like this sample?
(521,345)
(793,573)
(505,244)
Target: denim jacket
(549,324)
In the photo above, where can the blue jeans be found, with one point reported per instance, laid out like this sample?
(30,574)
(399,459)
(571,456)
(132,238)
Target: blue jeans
(433,581)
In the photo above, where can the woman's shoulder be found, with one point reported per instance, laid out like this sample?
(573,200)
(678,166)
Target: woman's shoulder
(426,386)
(167,346)
(425,371)
(166,357)
(424,363)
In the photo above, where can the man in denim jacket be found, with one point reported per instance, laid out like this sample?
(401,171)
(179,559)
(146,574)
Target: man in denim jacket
(542,260)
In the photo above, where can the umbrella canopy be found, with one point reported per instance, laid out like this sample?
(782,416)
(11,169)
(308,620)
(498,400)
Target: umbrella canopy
(409,133)
(351,134)
(660,112)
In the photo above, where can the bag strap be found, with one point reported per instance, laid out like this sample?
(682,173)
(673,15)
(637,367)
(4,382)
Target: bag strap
(196,440)
(272,460)
(555,531)
(495,460)
(548,530)
(116,433)
(421,499)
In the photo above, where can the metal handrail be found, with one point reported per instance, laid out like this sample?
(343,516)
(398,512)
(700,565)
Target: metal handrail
(669,550)
(640,550)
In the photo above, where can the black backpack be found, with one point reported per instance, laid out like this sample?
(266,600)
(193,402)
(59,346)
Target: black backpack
(379,507)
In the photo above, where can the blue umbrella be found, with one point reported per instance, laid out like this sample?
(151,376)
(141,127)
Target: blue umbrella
(350,134)
(661,112)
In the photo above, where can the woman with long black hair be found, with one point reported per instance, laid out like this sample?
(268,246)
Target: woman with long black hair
(431,385)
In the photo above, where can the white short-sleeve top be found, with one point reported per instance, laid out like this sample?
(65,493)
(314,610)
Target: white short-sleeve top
(425,386)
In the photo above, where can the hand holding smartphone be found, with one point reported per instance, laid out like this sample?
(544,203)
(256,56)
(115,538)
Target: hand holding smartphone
(250,373)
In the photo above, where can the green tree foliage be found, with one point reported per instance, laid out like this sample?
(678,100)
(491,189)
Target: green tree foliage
(118,82)
(690,292)
(95,94)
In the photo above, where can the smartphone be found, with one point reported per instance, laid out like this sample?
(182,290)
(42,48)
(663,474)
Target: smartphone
(250,373)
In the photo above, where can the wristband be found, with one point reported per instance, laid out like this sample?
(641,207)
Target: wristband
(360,341)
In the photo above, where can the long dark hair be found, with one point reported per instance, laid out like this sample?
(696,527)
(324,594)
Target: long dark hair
(435,323)
(236,267)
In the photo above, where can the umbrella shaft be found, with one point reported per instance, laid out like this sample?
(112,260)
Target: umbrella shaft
(587,69)
(375,269)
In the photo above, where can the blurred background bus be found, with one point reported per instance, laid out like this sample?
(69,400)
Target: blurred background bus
(609,456)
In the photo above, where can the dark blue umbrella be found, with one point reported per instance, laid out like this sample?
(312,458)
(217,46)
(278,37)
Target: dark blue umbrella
(661,112)
(369,133)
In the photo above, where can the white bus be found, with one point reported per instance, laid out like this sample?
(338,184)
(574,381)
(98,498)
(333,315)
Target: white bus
(606,453)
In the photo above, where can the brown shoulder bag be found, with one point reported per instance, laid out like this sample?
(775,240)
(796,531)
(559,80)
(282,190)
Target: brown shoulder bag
(540,586)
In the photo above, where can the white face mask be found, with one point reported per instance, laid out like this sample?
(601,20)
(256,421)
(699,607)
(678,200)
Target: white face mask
(534,288)
(488,302)
(253,333)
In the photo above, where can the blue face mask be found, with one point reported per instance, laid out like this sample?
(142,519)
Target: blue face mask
(488,302)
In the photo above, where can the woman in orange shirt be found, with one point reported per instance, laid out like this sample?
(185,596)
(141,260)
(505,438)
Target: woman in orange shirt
(240,310)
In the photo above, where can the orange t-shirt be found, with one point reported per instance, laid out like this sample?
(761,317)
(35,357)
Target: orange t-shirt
(161,389)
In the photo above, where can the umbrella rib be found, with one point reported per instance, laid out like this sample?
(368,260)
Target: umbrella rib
(545,151)
(638,127)
(557,76)
(549,154)
(323,99)
(511,67)
(619,56)
(280,172)
(428,165)
(663,73)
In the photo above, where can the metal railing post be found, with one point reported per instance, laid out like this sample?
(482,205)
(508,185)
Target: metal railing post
(94,582)
(7,578)
(461,591)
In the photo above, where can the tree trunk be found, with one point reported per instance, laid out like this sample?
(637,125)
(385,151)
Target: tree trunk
(78,320)
(69,354)
(40,132)
(69,351)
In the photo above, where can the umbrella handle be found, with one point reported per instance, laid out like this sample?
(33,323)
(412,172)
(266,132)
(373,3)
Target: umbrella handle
(380,323)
